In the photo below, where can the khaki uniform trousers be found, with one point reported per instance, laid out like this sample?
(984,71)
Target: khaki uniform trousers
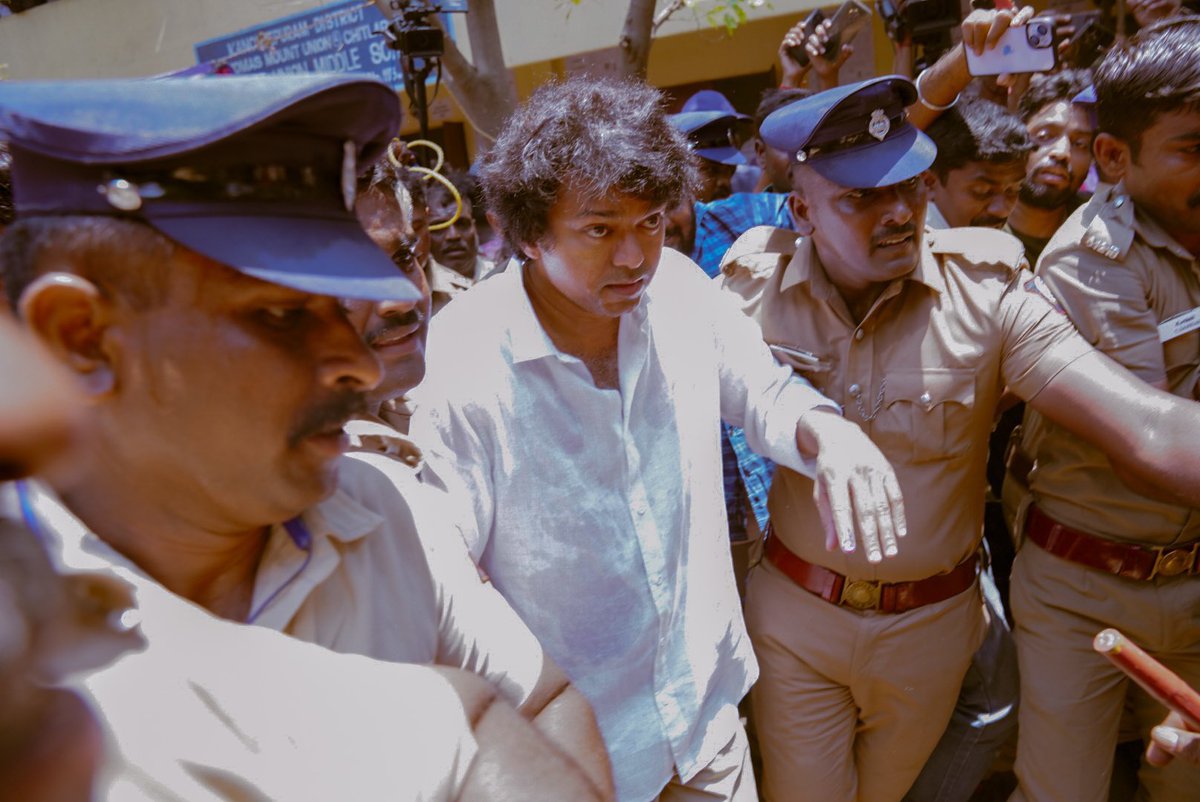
(728,777)
(1072,699)
(849,705)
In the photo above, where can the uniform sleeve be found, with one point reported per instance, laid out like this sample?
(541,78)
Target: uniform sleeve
(758,394)
(477,628)
(1107,302)
(1038,340)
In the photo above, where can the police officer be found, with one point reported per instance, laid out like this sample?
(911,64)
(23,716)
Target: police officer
(715,137)
(1097,553)
(182,247)
(916,333)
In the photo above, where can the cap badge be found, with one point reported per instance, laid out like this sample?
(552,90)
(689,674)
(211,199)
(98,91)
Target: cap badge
(879,125)
(349,173)
(121,194)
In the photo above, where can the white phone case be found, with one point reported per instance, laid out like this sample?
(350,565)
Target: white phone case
(1024,48)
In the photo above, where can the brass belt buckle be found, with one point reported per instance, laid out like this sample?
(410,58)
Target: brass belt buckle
(1173,562)
(861,594)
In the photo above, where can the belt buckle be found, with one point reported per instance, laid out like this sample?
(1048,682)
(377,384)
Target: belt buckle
(861,594)
(1173,562)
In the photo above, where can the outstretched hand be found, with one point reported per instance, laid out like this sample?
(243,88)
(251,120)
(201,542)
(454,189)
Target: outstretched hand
(826,69)
(1173,739)
(855,488)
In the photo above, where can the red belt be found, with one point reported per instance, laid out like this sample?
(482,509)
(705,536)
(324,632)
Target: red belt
(1123,559)
(864,594)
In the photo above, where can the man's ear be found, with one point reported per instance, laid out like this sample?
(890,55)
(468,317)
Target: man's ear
(799,211)
(930,179)
(1112,155)
(69,315)
(532,250)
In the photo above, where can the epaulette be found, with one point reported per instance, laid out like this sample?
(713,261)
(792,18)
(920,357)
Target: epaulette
(1110,232)
(980,246)
(761,240)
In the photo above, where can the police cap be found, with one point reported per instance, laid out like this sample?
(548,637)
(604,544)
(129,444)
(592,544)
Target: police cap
(856,135)
(255,172)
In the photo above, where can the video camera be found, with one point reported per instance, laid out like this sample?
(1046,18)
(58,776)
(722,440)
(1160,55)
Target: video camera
(411,31)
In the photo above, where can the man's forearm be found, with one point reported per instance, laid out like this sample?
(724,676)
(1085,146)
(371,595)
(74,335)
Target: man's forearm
(940,85)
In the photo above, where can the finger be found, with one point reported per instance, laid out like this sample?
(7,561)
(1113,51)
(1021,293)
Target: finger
(1023,16)
(999,26)
(1172,742)
(883,515)
(821,498)
(841,509)
(865,510)
(891,486)
(846,53)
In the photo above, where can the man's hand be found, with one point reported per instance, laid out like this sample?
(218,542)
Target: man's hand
(983,28)
(1173,739)
(825,69)
(855,490)
(792,71)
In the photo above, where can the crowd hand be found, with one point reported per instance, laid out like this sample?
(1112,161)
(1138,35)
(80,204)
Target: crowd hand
(855,488)
(1172,739)
(793,72)
(825,69)
(983,28)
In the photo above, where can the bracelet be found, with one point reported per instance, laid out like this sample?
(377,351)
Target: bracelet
(921,95)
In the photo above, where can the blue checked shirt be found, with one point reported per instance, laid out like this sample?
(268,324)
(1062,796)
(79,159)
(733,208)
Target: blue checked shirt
(747,476)
(720,223)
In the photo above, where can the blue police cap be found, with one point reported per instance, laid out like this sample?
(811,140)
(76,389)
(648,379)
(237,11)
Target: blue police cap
(708,100)
(255,172)
(714,135)
(856,135)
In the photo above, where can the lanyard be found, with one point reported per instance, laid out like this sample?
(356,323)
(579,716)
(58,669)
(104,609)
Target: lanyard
(296,528)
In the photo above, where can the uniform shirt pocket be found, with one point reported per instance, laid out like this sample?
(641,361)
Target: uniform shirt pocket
(925,415)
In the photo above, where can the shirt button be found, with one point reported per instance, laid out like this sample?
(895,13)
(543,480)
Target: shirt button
(855,389)
(926,398)
(640,510)
(858,335)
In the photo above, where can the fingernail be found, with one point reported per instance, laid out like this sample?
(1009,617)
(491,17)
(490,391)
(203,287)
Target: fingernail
(891,551)
(1166,737)
(874,557)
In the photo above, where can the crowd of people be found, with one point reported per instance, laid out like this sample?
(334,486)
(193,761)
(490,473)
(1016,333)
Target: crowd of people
(798,455)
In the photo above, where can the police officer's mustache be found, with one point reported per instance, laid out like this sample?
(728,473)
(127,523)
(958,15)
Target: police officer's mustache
(329,415)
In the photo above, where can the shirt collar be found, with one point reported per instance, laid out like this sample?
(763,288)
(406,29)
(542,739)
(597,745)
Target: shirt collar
(528,340)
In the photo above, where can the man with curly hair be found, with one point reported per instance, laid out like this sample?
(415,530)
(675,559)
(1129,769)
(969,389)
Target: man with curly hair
(578,394)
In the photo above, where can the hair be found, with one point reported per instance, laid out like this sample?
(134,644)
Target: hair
(466,185)
(122,257)
(977,130)
(7,213)
(596,135)
(774,99)
(384,177)
(1050,88)
(1154,72)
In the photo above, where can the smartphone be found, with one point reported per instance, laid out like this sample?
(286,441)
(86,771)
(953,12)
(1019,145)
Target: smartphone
(1024,48)
(797,52)
(799,360)
(848,20)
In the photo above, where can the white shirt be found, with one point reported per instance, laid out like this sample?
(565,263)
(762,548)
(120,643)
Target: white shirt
(600,513)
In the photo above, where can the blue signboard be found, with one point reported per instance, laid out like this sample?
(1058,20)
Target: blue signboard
(338,37)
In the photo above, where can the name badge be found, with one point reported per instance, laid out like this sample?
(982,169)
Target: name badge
(1179,325)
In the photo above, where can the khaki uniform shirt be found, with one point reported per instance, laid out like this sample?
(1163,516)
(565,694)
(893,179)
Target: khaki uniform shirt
(388,576)
(921,374)
(1119,276)
(213,710)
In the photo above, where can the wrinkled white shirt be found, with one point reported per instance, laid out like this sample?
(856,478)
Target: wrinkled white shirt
(600,513)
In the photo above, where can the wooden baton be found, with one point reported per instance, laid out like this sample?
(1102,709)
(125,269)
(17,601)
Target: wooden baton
(1157,680)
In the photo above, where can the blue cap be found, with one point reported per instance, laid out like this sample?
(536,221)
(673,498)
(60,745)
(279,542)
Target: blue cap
(714,135)
(708,100)
(255,172)
(1087,97)
(856,135)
